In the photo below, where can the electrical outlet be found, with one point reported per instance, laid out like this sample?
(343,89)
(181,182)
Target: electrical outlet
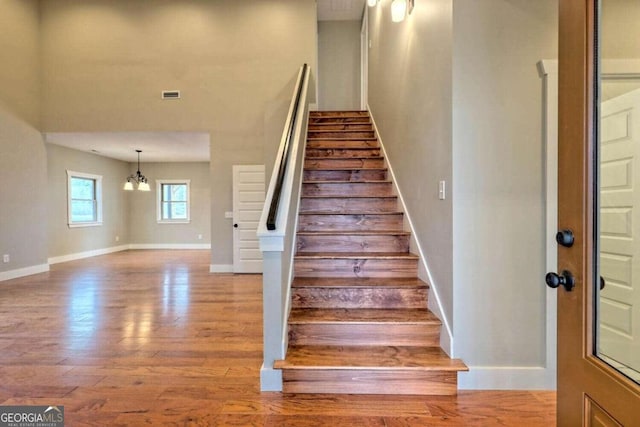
(117,238)
(199,236)
(6,258)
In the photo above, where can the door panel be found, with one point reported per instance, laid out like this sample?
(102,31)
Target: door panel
(605,229)
(619,310)
(248,201)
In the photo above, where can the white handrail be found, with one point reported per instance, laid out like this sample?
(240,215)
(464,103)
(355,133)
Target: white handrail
(278,246)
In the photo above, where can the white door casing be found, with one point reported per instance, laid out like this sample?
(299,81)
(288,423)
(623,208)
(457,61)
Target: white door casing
(620,229)
(248,201)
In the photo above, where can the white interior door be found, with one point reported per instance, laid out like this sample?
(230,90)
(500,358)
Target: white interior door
(620,229)
(248,200)
(364,61)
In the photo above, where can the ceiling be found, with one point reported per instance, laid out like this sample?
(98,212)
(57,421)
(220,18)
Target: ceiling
(155,146)
(340,10)
(177,146)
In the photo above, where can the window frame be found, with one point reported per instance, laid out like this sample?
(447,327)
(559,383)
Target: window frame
(97,200)
(159,201)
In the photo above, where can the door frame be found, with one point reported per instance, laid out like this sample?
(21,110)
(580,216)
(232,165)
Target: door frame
(586,384)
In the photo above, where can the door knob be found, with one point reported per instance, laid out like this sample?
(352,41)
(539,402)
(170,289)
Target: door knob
(565,279)
(235,225)
(565,238)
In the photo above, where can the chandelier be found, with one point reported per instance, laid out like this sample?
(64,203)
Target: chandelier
(138,178)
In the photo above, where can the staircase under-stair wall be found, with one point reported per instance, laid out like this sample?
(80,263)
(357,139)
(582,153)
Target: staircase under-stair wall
(359,321)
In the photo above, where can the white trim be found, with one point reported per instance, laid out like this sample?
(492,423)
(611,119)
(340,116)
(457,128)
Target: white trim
(364,60)
(620,68)
(548,70)
(446,338)
(22,272)
(505,378)
(221,268)
(159,218)
(179,246)
(98,190)
(87,254)
(270,379)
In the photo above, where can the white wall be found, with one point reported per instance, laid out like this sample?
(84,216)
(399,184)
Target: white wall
(498,205)
(23,164)
(339,65)
(410,99)
(142,216)
(65,241)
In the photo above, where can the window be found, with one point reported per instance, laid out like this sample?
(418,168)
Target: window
(84,199)
(173,201)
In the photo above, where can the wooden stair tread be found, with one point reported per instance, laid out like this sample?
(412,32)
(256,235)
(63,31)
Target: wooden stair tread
(369,357)
(357,282)
(363,315)
(338,196)
(353,169)
(347,213)
(346,158)
(370,181)
(355,255)
(354,233)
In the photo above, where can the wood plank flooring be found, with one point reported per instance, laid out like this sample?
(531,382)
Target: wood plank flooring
(151,338)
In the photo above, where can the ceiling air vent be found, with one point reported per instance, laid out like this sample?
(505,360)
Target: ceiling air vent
(170,94)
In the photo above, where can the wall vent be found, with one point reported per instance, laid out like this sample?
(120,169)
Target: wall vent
(170,94)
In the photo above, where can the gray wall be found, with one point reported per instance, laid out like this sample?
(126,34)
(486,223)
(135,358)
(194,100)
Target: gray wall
(456,95)
(142,217)
(20,59)
(235,62)
(23,164)
(498,177)
(115,204)
(339,65)
(410,98)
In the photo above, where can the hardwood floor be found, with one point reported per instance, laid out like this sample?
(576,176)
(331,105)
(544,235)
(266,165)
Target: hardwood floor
(151,338)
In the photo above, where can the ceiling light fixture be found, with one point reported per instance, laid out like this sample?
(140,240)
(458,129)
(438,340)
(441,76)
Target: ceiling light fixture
(138,178)
(372,3)
(398,10)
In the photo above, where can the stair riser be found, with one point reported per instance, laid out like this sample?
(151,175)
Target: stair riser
(364,334)
(336,153)
(345,175)
(358,119)
(353,243)
(343,163)
(351,143)
(331,204)
(341,134)
(340,126)
(348,189)
(369,381)
(356,268)
(359,298)
(350,222)
(354,113)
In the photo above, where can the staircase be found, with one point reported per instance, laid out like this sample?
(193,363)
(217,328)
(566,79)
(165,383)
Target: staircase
(359,321)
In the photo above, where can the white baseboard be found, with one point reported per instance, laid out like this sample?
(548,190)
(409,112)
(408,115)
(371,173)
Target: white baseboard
(87,254)
(21,272)
(270,379)
(138,246)
(221,268)
(507,378)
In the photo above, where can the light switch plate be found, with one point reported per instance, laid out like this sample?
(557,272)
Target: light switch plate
(228,215)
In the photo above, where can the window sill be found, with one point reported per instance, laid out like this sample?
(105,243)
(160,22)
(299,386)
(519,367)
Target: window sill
(176,221)
(85,224)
